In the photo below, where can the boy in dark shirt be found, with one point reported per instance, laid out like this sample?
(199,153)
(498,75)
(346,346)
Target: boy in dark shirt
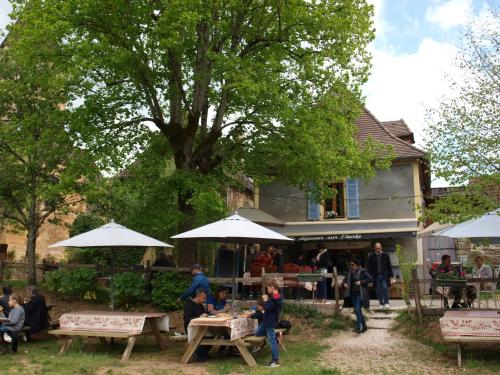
(273,303)
(194,309)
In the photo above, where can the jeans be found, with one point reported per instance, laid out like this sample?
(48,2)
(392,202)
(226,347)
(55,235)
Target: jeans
(357,303)
(382,290)
(271,336)
(12,334)
(322,286)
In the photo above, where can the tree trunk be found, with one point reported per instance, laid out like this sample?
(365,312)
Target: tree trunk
(186,249)
(30,254)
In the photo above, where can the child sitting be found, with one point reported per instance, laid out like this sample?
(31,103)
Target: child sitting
(16,321)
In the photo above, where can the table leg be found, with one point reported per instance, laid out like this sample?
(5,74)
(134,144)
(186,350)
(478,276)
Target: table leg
(153,322)
(459,355)
(66,344)
(103,340)
(193,345)
(247,356)
(128,349)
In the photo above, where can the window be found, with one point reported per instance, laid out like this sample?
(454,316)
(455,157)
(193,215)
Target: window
(334,207)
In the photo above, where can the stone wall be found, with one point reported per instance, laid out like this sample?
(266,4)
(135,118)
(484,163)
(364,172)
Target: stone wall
(490,253)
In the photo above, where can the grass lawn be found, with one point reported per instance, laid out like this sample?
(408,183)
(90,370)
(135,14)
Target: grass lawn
(89,356)
(477,358)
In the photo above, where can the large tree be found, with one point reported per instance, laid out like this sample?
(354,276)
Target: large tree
(267,88)
(464,131)
(40,169)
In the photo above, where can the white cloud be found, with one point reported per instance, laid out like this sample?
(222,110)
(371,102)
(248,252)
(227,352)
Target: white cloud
(405,86)
(450,14)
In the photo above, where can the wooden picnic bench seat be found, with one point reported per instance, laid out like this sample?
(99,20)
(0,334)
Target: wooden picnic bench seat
(459,340)
(67,337)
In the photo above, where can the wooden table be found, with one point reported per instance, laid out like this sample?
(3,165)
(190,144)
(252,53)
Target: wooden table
(110,324)
(239,330)
(470,326)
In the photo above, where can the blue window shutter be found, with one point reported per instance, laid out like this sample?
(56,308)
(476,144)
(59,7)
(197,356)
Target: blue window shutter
(313,208)
(352,198)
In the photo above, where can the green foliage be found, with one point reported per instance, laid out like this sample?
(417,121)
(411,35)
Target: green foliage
(314,317)
(463,136)
(128,288)
(78,283)
(85,222)
(167,287)
(406,265)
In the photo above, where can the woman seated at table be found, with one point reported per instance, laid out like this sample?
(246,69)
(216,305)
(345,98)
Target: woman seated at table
(217,303)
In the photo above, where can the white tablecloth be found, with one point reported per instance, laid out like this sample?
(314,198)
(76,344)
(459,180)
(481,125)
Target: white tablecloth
(239,327)
(471,323)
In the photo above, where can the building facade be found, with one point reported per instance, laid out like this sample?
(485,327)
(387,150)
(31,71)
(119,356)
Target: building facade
(385,208)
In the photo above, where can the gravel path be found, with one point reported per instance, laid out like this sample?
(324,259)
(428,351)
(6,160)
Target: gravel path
(381,351)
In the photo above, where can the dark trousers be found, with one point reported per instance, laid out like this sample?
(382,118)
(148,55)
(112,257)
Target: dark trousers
(382,289)
(360,319)
(13,335)
(322,289)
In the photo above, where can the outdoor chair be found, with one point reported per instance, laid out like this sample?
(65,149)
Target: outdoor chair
(484,296)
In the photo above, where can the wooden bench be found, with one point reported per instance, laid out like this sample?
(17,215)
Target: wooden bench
(67,337)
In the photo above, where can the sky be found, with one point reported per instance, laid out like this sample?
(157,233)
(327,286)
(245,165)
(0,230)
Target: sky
(414,49)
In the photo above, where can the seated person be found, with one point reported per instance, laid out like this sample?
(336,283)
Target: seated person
(4,300)
(194,309)
(9,330)
(36,311)
(217,303)
(301,260)
(259,313)
(483,271)
(446,268)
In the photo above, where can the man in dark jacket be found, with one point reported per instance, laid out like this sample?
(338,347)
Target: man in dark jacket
(380,268)
(36,310)
(194,309)
(273,303)
(356,288)
(199,281)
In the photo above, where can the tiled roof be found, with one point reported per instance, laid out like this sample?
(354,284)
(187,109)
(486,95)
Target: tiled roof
(369,126)
(398,128)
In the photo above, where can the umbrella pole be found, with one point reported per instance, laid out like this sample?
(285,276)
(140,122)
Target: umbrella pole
(234,281)
(111,279)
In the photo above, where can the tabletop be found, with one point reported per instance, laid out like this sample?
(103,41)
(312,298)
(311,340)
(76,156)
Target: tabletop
(485,323)
(108,321)
(238,327)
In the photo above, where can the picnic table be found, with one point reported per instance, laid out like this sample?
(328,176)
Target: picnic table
(470,326)
(111,324)
(240,331)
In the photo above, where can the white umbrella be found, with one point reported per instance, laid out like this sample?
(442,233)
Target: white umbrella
(486,226)
(111,235)
(234,229)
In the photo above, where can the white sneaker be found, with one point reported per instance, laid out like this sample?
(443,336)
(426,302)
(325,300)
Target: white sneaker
(274,364)
(387,306)
(7,338)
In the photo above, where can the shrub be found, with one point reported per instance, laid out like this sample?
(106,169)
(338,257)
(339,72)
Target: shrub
(167,287)
(128,288)
(79,283)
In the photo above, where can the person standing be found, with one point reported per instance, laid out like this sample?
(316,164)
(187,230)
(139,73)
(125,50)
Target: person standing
(273,303)
(356,288)
(199,281)
(380,268)
(322,262)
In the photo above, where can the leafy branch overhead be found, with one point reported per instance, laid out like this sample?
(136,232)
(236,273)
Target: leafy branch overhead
(229,84)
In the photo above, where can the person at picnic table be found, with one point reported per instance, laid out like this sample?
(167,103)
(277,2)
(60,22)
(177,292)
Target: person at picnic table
(35,309)
(380,269)
(193,308)
(217,303)
(199,281)
(356,288)
(9,329)
(4,300)
(483,271)
(273,303)
(447,269)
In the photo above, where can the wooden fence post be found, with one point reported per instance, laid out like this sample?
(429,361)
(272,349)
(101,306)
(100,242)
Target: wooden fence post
(263,280)
(416,285)
(337,293)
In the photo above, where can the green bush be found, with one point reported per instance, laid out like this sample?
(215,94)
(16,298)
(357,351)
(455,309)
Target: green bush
(167,287)
(78,283)
(128,288)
